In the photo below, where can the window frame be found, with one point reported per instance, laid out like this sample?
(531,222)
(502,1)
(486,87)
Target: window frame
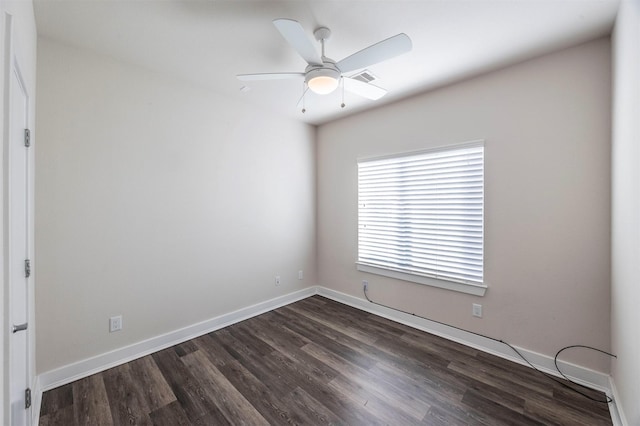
(474,288)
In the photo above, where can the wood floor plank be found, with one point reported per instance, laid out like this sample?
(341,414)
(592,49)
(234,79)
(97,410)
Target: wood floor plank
(90,402)
(499,396)
(371,403)
(310,410)
(432,376)
(500,414)
(254,391)
(515,372)
(327,317)
(263,369)
(346,347)
(57,399)
(231,402)
(258,395)
(248,339)
(187,390)
(60,416)
(444,348)
(360,320)
(454,414)
(305,369)
(341,322)
(185,348)
(437,416)
(274,337)
(475,370)
(156,391)
(552,411)
(171,414)
(274,321)
(401,348)
(581,403)
(364,379)
(316,386)
(213,350)
(314,362)
(428,375)
(126,400)
(433,391)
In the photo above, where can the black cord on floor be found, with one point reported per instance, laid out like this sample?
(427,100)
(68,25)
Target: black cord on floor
(555,359)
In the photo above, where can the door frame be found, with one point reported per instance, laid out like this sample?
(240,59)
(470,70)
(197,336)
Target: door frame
(11,66)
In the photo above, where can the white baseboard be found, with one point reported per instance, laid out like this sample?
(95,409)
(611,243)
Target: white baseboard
(86,367)
(615,408)
(582,375)
(78,370)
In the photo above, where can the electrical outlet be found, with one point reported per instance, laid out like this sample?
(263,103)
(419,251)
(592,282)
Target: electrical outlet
(277,280)
(300,274)
(115,323)
(365,285)
(477,310)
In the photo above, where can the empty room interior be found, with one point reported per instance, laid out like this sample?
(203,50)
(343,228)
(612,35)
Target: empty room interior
(314,212)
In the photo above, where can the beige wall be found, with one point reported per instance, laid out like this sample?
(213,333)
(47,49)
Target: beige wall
(159,201)
(24,39)
(546,126)
(625,287)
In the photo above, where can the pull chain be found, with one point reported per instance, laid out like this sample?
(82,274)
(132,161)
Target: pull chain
(304,92)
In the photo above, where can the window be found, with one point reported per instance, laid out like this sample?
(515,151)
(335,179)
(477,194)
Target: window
(420,217)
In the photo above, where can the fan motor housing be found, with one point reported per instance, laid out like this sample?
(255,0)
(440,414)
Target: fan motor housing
(325,70)
(322,79)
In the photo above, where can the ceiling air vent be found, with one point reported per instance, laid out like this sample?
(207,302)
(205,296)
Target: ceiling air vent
(365,76)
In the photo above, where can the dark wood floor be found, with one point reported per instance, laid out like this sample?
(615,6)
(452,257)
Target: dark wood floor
(319,362)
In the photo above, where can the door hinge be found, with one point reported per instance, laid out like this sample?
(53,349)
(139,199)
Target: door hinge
(27,138)
(27,268)
(27,398)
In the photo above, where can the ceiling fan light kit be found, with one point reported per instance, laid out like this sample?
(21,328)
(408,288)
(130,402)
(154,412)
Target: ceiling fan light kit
(322,80)
(323,75)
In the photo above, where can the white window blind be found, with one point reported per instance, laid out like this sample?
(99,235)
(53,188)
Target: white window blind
(422,214)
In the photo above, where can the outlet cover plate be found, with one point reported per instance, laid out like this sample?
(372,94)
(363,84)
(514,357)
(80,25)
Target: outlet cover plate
(115,323)
(477,310)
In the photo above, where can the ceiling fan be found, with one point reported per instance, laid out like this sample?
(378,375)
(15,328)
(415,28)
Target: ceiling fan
(322,74)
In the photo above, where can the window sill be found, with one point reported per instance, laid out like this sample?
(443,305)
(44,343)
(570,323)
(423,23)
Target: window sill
(475,289)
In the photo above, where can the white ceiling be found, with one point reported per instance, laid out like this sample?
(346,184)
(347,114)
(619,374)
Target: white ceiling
(208,42)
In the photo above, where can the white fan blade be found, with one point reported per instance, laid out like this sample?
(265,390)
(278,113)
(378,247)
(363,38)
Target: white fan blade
(366,90)
(269,76)
(381,51)
(293,32)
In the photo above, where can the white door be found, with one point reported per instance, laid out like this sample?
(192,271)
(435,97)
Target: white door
(18,247)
